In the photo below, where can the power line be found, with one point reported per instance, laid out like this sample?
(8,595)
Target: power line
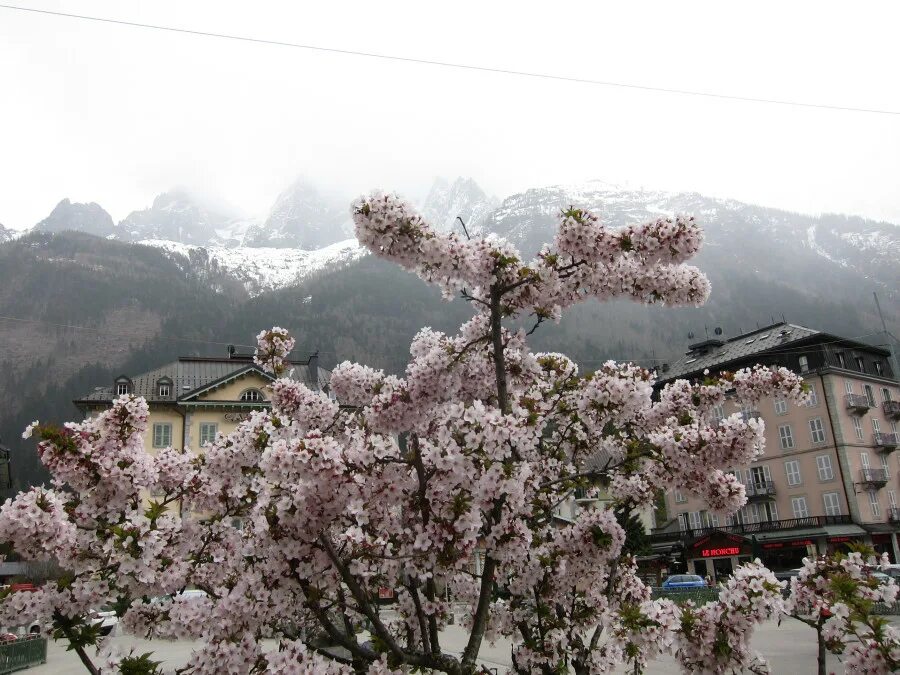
(449,64)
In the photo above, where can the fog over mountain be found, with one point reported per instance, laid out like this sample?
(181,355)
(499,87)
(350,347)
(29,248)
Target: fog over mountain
(174,278)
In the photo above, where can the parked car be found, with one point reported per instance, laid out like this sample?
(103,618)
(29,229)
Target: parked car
(892,571)
(106,618)
(677,581)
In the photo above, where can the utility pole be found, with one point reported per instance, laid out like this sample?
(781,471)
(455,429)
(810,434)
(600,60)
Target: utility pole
(890,339)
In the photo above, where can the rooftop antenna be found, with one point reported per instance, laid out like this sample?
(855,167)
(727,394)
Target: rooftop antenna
(691,335)
(783,320)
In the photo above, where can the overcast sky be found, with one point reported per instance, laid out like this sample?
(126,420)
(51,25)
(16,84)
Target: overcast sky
(114,114)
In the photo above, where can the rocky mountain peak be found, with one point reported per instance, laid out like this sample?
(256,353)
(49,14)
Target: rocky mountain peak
(301,218)
(178,216)
(462,198)
(89,218)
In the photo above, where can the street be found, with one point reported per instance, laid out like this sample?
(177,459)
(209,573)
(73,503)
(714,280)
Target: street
(789,648)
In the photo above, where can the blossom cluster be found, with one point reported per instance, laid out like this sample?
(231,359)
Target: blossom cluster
(835,594)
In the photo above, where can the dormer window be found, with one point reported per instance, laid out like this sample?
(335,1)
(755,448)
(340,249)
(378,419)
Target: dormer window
(164,387)
(252,396)
(123,386)
(804,364)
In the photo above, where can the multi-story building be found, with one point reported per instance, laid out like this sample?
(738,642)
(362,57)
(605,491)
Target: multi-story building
(828,475)
(194,398)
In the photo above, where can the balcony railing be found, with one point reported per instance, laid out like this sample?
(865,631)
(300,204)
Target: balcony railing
(894,514)
(877,477)
(749,529)
(761,489)
(858,403)
(886,442)
(891,409)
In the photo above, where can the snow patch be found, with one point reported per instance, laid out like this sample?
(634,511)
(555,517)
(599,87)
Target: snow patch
(265,269)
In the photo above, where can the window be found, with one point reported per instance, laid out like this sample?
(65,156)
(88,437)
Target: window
(714,519)
(682,521)
(769,512)
(252,396)
(857,427)
(893,497)
(751,513)
(864,459)
(848,386)
(813,396)
(860,366)
(885,466)
(164,391)
(162,435)
(208,431)
(804,364)
(786,436)
(781,407)
(878,368)
(799,506)
(121,388)
(840,360)
(694,520)
(816,430)
(823,464)
(719,412)
(792,470)
(885,394)
(873,502)
(832,503)
(870,395)
(876,426)
(679,497)
(759,475)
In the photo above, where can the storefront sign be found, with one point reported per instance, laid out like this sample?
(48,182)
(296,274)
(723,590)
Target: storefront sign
(839,540)
(237,417)
(716,552)
(789,544)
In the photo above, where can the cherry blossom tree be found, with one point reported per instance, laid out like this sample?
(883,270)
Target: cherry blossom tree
(445,485)
(835,595)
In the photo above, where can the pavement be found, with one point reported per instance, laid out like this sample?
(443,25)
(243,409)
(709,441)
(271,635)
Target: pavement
(789,648)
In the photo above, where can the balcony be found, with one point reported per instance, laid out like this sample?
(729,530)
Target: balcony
(873,477)
(761,490)
(891,409)
(886,442)
(749,529)
(858,403)
(894,514)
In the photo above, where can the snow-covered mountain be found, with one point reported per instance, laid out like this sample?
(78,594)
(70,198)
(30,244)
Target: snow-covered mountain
(178,216)
(301,218)
(7,234)
(770,242)
(464,199)
(89,218)
(258,269)
(307,232)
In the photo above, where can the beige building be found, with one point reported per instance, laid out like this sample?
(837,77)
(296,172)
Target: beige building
(828,475)
(193,399)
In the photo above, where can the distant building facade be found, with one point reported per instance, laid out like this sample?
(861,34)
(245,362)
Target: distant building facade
(193,399)
(829,475)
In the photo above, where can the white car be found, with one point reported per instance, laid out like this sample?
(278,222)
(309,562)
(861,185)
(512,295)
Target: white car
(106,618)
